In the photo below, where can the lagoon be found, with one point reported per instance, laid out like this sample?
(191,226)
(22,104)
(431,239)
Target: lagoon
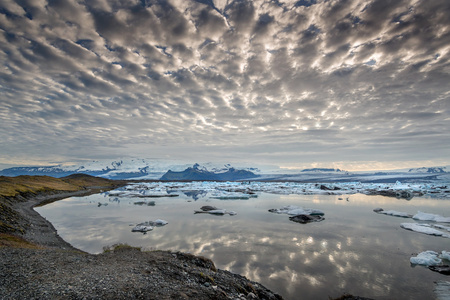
(354,250)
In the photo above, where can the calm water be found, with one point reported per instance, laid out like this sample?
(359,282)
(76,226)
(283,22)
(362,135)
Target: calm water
(354,250)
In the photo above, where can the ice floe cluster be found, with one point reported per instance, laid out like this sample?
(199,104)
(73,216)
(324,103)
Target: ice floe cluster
(249,189)
(428,224)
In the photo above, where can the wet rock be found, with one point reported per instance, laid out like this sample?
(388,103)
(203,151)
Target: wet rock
(208,208)
(304,219)
(444,269)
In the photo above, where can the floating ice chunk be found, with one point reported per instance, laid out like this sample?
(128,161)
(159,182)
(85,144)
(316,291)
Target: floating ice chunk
(442,290)
(296,210)
(159,222)
(426,258)
(392,213)
(431,217)
(214,211)
(142,228)
(217,211)
(445,255)
(424,228)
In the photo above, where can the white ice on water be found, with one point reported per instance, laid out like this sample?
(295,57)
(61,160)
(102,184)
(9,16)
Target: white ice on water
(149,225)
(424,228)
(392,213)
(249,188)
(430,258)
(426,258)
(421,216)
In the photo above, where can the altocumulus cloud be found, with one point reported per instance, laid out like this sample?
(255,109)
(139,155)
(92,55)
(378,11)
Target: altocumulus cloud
(284,82)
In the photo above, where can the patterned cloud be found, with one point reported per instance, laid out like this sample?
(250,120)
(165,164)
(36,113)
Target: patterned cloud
(285,82)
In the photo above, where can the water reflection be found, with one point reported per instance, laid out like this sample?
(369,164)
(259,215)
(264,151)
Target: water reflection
(353,250)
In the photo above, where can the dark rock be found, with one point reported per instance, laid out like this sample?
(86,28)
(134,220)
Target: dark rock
(445,269)
(304,219)
(208,208)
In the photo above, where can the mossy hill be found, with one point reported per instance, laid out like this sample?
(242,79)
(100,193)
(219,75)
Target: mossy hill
(22,188)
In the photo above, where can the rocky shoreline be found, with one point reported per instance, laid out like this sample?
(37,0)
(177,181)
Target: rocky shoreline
(44,266)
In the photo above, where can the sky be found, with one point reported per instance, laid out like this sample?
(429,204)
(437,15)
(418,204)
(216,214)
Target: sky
(352,84)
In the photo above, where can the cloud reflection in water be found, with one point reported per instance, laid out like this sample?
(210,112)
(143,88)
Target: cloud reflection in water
(353,250)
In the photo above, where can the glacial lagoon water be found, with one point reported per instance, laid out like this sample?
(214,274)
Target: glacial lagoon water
(354,250)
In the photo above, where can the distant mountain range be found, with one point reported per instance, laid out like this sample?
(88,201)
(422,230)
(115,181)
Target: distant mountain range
(198,173)
(142,169)
(171,170)
(430,170)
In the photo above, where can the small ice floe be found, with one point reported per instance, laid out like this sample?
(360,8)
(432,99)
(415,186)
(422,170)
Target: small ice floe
(433,260)
(430,217)
(424,228)
(148,226)
(296,210)
(426,258)
(442,290)
(102,204)
(142,227)
(392,213)
(214,211)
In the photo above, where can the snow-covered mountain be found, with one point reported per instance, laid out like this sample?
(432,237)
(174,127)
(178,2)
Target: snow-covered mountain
(432,170)
(138,168)
(123,169)
(325,171)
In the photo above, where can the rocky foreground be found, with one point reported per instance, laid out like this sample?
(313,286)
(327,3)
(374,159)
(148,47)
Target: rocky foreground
(35,263)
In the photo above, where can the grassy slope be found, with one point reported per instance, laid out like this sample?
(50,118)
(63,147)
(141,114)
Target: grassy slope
(26,185)
(21,188)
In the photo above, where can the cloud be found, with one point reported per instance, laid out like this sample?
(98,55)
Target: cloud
(309,80)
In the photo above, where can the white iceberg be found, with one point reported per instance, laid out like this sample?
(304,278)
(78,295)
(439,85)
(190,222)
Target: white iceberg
(424,228)
(142,228)
(148,226)
(430,217)
(392,213)
(426,258)
(159,222)
(445,255)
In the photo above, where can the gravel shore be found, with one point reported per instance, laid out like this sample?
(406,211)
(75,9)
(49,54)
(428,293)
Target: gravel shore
(53,269)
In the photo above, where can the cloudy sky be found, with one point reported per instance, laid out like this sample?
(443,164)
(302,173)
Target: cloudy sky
(353,84)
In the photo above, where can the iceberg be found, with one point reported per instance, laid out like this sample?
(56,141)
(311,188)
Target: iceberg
(426,258)
(392,213)
(159,222)
(148,226)
(421,216)
(445,255)
(142,228)
(424,228)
